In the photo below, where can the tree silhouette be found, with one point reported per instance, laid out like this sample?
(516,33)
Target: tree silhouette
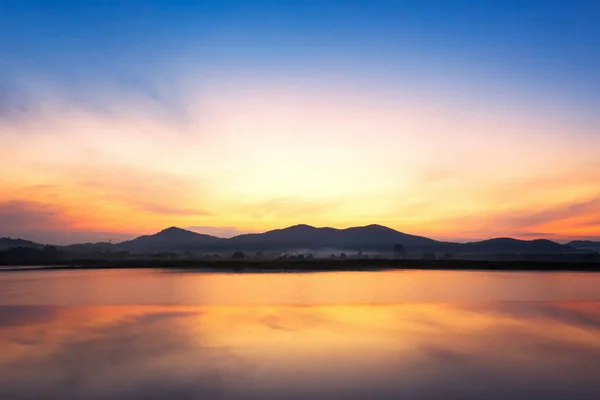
(238,255)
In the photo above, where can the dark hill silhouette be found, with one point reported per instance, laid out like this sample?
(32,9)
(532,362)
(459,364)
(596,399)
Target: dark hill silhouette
(9,243)
(510,245)
(371,237)
(367,238)
(25,255)
(89,249)
(89,246)
(585,245)
(170,239)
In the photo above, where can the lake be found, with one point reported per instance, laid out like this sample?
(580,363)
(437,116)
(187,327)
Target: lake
(159,334)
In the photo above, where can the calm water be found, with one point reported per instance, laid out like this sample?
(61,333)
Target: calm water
(148,334)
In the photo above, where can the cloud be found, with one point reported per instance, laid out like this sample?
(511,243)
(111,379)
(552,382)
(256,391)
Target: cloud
(73,211)
(571,314)
(105,96)
(577,219)
(13,102)
(25,315)
(148,191)
(17,215)
(553,214)
(47,223)
(96,360)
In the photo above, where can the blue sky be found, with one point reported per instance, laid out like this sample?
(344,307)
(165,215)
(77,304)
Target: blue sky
(550,48)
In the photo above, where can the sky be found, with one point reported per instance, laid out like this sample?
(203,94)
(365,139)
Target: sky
(457,120)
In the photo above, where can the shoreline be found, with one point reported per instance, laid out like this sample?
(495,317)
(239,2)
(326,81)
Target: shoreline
(317,265)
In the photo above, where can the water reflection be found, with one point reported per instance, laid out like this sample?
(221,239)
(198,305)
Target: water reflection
(425,351)
(104,287)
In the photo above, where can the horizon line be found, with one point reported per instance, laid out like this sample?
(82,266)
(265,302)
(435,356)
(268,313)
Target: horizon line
(188,229)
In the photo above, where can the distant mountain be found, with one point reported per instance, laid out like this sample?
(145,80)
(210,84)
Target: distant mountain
(367,238)
(585,245)
(170,239)
(305,237)
(9,243)
(510,245)
(371,237)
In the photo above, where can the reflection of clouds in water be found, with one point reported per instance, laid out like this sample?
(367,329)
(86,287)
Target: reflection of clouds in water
(567,313)
(25,315)
(538,333)
(292,319)
(350,352)
(446,356)
(139,356)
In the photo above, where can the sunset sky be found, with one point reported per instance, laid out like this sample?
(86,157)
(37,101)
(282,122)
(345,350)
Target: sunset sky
(456,120)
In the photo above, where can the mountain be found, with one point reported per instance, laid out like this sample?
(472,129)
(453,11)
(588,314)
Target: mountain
(585,245)
(371,237)
(9,243)
(367,238)
(381,238)
(510,245)
(305,237)
(170,239)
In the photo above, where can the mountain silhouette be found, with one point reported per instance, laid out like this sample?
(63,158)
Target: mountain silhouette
(585,245)
(510,245)
(9,243)
(371,237)
(374,238)
(170,239)
(367,238)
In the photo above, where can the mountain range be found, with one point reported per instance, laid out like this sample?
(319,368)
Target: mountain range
(375,238)
(585,245)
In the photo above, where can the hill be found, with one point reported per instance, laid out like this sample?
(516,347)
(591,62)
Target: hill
(170,239)
(510,245)
(585,245)
(371,237)
(9,243)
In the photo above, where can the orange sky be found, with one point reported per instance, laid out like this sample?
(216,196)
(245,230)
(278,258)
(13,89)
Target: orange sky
(259,158)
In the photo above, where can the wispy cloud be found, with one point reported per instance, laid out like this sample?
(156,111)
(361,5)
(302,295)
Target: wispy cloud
(148,191)
(576,219)
(18,215)
(13,102)
(526,220)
